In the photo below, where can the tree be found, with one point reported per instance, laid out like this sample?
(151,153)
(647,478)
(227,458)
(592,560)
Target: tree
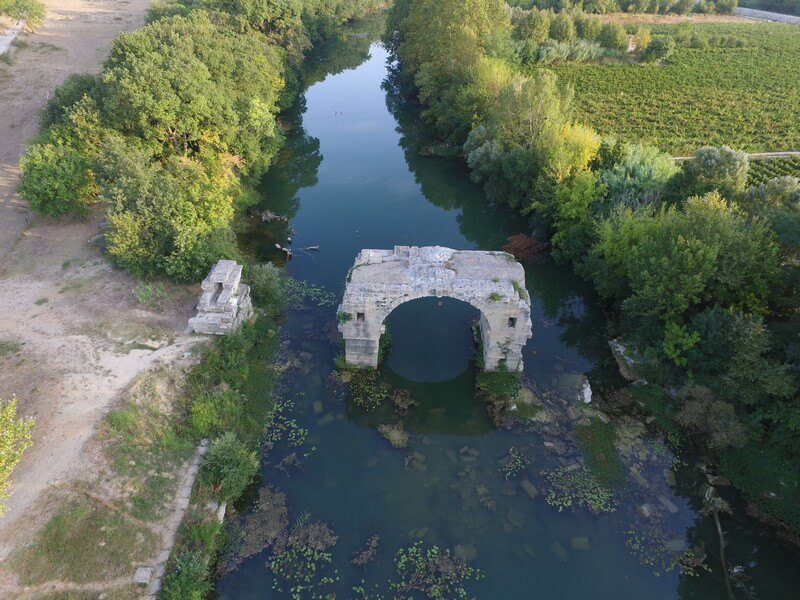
(56,180)
(519,137)
(721,169)
(613,36)
(732,359)
(575,220)
(660,264)
(182,84)
(587,27)
(710,421)
(638,178)
(562,28)
(535,27)
(168,218)
(15,438)
(30,11)
(65,96)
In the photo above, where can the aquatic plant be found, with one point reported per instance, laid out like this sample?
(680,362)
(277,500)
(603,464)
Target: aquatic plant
(402,401)
(596,441)
(365,555)
(438,574)
(577,487)
(366,390)
(299,564)
(649,544)
(395,433)
(514,463)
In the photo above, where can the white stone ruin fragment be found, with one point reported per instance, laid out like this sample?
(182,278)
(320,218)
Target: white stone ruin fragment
(225,303)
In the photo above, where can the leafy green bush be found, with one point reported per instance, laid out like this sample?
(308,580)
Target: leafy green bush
(189,580)
(268,287)
(30,11)
(659,49)
(215,411)
(613,36)
(229,467)
(15,438)
(57,180)
(562,28)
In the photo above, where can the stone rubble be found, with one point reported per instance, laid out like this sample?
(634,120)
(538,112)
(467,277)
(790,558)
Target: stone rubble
(225,303)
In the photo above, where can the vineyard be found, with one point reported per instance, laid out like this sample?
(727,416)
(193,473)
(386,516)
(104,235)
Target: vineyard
(739,87)
(763,170)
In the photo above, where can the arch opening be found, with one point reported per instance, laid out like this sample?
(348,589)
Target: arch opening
(431,339)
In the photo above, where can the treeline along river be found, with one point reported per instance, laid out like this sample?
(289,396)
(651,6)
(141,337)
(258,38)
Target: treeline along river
(357,172)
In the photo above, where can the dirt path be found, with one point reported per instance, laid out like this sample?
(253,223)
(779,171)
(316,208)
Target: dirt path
(72,335)
(763,15)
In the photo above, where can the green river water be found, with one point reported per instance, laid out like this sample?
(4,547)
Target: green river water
(355,174)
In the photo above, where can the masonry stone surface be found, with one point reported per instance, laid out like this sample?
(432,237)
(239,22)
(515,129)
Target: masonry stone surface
(382,280)
(225,302)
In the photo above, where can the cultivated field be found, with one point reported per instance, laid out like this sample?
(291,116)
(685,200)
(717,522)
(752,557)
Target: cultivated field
(741,89)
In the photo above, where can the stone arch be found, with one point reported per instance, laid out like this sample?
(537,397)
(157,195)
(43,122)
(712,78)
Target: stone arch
(382,280)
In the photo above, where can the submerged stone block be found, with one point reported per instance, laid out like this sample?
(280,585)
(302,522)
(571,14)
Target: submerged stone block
(225,302)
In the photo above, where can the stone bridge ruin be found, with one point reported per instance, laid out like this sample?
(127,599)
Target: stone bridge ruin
(382,280)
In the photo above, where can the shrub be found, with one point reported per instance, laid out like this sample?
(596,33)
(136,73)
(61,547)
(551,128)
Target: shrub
(711,421)
(562,28)
(15,438)
(659,49)
(215,411)
(268,287)
(722,169)
(188,580)
(30,11)
(65,96)
(56,180)
(587,28)
(229,467)
(641,39)
(613,36)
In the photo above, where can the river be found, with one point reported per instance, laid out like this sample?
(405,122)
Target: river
(355,174)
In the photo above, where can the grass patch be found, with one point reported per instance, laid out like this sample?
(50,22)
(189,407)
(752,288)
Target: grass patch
(147,444)
(767,477)
(41,301)
(84,542)
(9,348)
(746,97)
(596,441)
(128,592)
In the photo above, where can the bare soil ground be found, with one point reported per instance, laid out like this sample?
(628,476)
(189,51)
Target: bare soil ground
(73,336)
(655,19)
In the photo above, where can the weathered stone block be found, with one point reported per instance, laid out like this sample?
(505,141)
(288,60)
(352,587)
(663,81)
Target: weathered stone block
(225,302)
